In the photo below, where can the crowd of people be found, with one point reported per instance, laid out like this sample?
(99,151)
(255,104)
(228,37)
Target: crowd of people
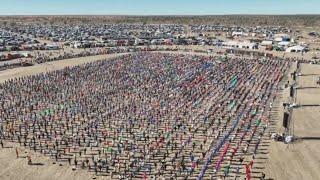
(6,66)
(146,115)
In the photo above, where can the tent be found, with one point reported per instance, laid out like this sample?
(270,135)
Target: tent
(235,33)
(52,47)
(297,48)
(284,43)
(282,37)
(244,45)
(266,43)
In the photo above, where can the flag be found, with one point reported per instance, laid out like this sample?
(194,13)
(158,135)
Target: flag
(248,171)
(227,169)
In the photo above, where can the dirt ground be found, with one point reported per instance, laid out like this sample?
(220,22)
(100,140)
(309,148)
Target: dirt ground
(50,66)
(300,160)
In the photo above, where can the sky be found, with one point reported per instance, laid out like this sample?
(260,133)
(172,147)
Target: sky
(157,7)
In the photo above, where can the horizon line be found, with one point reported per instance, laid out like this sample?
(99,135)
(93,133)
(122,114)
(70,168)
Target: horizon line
(157,15)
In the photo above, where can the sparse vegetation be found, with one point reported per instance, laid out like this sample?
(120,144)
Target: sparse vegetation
(249,20)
